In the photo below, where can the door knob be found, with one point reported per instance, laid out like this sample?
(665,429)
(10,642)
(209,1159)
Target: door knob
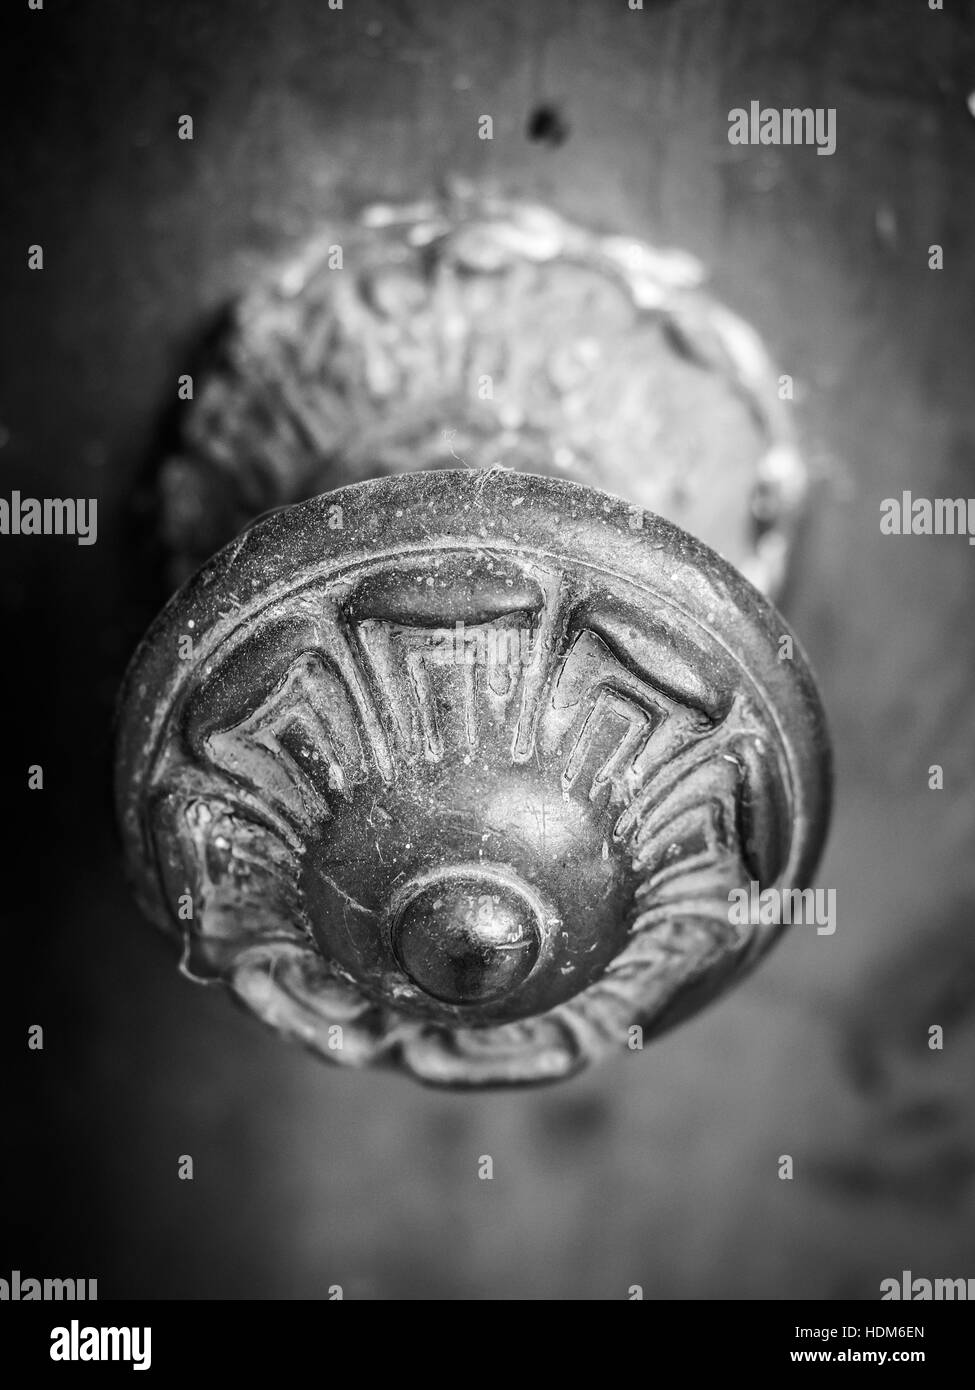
(458,770)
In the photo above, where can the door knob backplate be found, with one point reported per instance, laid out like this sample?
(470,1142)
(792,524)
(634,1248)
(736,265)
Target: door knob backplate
(477,331)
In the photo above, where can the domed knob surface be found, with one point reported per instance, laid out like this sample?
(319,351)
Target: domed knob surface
(464,785)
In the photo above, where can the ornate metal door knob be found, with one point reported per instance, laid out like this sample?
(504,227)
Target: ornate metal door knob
(455,770)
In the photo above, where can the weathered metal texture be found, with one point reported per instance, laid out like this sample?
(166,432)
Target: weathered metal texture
(478,331)
(455,772)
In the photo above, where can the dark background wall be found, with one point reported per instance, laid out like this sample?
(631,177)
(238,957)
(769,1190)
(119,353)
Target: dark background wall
(661,1168)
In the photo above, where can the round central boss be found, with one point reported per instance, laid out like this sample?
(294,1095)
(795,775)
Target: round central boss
(464,937)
